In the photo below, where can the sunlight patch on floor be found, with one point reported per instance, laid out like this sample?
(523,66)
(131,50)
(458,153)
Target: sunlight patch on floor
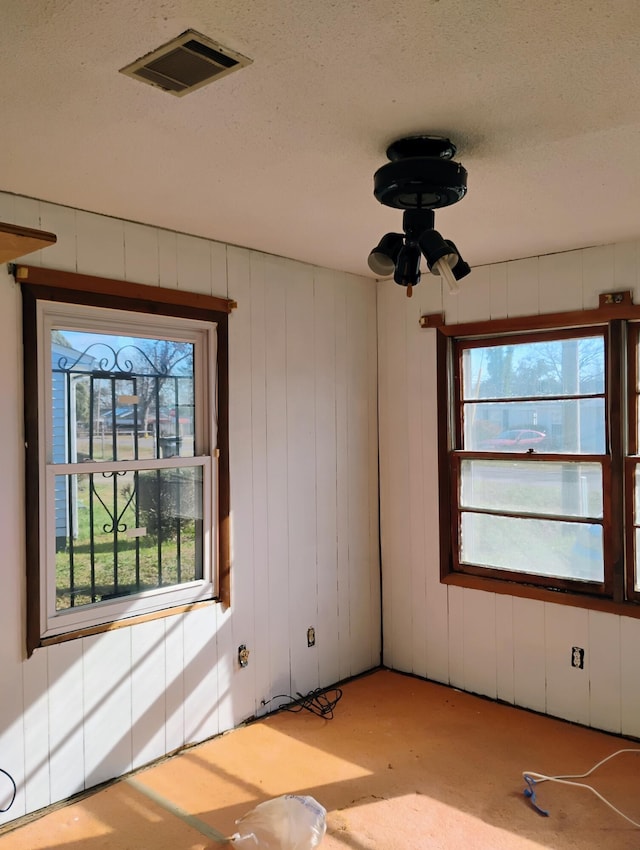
(414,821)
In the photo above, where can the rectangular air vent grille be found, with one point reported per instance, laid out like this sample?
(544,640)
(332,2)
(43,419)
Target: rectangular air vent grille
(186,63)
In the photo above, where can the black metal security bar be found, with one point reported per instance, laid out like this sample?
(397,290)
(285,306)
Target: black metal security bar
(120,532)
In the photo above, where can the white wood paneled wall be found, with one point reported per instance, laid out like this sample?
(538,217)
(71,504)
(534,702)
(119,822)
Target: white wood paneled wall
(304,498)
(514,649)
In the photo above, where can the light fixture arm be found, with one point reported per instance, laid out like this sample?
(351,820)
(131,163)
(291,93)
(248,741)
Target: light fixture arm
(415,222)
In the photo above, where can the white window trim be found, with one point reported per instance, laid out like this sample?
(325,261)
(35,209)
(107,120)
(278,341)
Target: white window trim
(98,319)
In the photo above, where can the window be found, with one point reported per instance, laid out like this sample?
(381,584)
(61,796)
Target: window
(539,458)
(127,487)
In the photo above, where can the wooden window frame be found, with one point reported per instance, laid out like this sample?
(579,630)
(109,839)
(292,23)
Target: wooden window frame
(632,459)
(622,319)
(40,284)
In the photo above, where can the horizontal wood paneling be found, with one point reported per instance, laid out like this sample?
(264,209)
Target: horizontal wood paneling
(304,495)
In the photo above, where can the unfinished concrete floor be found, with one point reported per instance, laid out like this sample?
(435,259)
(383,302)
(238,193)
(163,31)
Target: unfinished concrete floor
(404,764)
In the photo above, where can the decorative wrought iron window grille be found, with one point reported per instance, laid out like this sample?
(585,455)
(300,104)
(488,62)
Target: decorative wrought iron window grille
(130,474)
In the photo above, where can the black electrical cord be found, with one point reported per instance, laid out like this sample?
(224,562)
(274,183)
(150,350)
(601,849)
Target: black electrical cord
(15,790)
(320,702)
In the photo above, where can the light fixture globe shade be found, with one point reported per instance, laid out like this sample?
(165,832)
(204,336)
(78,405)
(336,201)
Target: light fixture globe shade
(461,268)
(382,259)
(435,248)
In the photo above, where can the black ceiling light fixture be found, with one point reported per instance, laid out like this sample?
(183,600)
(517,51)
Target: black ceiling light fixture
(420,178)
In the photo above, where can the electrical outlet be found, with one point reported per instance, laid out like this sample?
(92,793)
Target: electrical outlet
(577,657)
(311,636)
(243,655)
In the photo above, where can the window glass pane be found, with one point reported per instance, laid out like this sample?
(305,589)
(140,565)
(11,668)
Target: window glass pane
(561,489)
(563,425)
(540,547)
(120,398)
(544,368)
(119,533)
(636,497)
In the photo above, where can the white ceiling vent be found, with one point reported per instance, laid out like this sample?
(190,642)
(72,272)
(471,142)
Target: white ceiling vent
(188,62)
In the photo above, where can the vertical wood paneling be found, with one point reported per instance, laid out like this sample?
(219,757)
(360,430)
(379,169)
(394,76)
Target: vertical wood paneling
(278,497)
(325,285)
(106,675)
(604,671)
(225,668)
(479,637)
(358,475)
(7,208)
(560,282)
(386,457)
(193,264)
(342,484)
(435,611)
(427,296)
(259,504)
(567,686)
(62,222)
(625,264)
(99,245)
(148,692)
(200,676)
(12,739)
(630,676)
(522,287)
(499,291)
(456,600)
(36,724)
(416,516)
(597,274)
(219,285)
(167,259)
(303,496)
(174,682)
(66,713)
(241,475)
(371,319)
(504,648)
(141,255)
(514,650)
(304,447)
(474,298)
(450,300)
(301,452)
(529,683)
(395,534)
(27,214)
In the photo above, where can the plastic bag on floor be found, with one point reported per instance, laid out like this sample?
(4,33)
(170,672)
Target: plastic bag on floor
(284,823)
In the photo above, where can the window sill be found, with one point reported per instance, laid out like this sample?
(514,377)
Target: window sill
(542,594)
(125,622)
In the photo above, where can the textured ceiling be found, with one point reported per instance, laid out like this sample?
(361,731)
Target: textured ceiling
(542,100)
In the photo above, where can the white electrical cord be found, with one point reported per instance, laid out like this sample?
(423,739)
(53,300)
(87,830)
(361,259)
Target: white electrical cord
(532,778)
